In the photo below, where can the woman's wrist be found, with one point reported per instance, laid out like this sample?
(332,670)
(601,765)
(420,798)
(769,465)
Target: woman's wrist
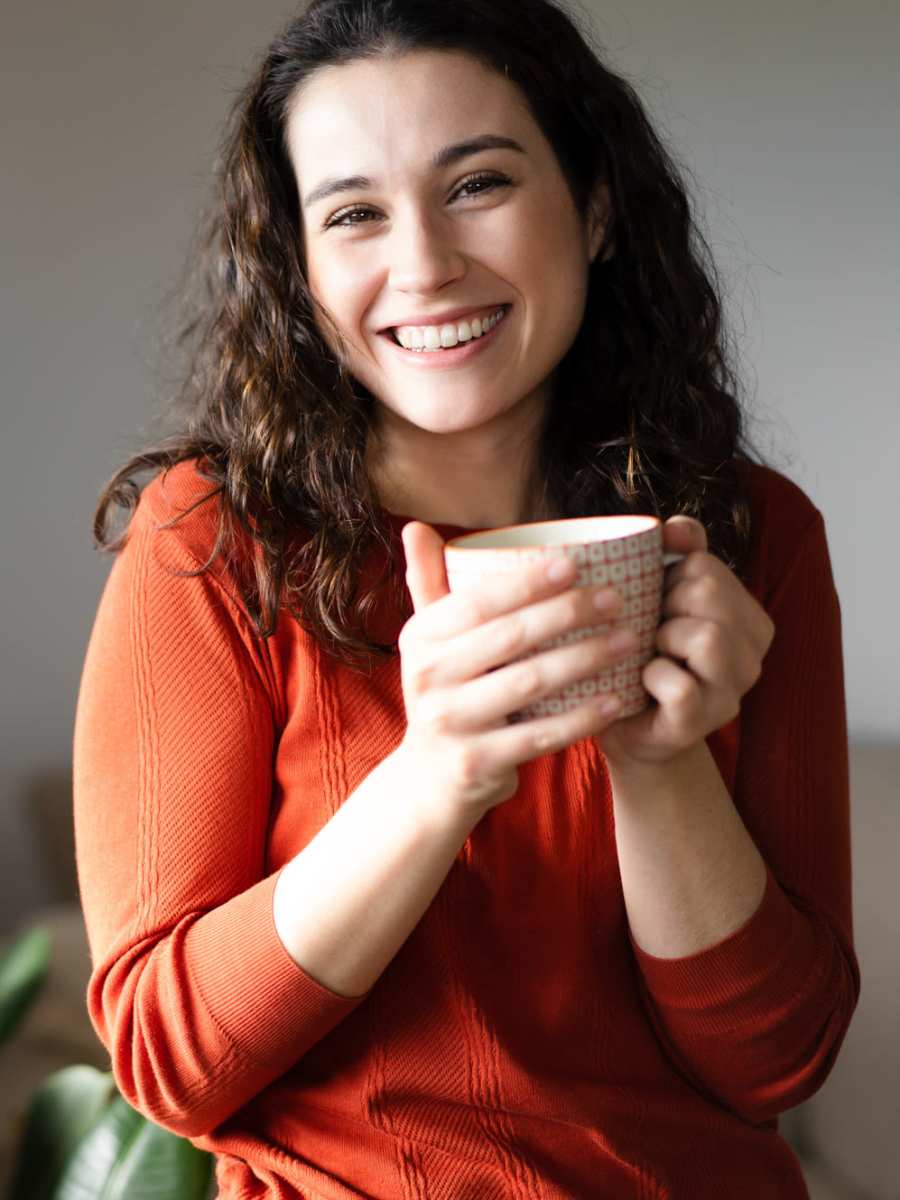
(648,772)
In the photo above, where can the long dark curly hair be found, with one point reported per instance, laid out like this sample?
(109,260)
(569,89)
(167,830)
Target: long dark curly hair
(645,415)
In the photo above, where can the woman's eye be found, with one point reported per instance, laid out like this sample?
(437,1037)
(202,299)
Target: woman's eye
(342,218)
(489,180)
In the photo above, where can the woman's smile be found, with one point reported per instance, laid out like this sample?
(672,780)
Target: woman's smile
(437,347)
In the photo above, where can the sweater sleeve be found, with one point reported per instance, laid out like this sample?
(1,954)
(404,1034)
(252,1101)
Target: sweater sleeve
(756,1021)
(192,991)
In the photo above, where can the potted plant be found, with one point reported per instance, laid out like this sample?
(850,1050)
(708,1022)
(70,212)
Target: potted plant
(80,1139)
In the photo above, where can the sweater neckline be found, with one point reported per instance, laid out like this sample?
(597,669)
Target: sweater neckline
(444,528)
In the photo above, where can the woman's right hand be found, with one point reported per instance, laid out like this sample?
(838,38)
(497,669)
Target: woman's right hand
(460,685)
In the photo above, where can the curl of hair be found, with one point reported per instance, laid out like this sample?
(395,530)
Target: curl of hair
(645,415)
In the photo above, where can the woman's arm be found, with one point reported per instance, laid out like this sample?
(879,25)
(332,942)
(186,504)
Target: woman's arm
(210,977)
(691,874)
(349,900)
(757,1014)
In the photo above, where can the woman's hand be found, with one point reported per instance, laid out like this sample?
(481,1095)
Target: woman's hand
(460,681)
(714,636)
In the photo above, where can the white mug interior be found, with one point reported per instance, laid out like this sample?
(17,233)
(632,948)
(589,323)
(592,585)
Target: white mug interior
(569,532)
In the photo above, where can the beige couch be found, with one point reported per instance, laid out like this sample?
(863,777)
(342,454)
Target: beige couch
(847,1135)
(851,1127)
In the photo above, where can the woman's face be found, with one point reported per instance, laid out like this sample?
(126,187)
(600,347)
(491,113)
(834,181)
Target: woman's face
(409,237)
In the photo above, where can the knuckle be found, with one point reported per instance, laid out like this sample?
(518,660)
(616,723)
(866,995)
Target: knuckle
(513,639)
(547,741)
(529,679)
(684,696)
(468,767)
(573,607)
(710,639)
(475,607)
(420,675)
(433,715)
(707,587)
(753,673)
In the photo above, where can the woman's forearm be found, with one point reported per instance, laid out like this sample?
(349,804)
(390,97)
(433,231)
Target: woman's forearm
(348,901)
(691,874)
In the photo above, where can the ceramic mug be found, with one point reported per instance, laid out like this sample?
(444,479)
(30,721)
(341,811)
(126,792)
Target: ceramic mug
(624,552)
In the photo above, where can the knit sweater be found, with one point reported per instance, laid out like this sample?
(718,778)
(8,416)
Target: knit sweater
(520,1044)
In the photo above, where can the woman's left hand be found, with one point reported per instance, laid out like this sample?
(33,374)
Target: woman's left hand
(714,636)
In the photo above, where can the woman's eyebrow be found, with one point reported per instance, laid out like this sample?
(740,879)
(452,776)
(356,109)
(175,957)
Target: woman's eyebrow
(444,158)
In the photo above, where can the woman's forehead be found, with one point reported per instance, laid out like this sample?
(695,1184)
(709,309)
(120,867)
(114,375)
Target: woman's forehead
(373,97)
(400,114)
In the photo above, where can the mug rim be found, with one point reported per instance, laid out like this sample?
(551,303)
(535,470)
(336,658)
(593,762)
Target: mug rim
(455,543)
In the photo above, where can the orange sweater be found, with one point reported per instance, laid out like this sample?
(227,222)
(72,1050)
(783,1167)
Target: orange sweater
(520,1044)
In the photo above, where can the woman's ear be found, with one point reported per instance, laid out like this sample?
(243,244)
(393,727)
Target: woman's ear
(599,221)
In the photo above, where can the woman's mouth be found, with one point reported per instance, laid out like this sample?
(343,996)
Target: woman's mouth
(427,348)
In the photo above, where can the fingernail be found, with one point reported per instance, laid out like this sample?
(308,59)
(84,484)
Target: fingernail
(559,570)
(606,598)
(621,641)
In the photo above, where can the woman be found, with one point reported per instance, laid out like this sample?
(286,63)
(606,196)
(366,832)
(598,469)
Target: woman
(351,929)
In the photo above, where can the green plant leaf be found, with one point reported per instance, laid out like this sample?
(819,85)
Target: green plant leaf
(127,1157)
(23,969)
(62,1111)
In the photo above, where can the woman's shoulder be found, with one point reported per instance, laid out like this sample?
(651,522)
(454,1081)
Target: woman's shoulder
(774,495)
(180,511)
(784,519)
(181,483)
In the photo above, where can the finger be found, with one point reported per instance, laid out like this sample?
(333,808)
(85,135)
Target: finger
(505,639)
(698,566)
(426,575)
(704,595)
(487,698)
(716,594)
(473,604)
(679,695)
(718,657)
(683,534)
(495,749)
(703,646)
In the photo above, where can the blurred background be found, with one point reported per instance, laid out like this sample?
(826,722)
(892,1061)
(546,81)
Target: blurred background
(785,118)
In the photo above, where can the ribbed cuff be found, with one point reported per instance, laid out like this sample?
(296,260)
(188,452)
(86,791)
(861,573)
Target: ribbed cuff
(257,995)
(738,970)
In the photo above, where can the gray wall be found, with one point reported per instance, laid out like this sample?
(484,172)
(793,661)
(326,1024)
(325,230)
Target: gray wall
(786,115)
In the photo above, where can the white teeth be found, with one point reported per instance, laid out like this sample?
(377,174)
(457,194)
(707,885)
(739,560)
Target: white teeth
(430,338)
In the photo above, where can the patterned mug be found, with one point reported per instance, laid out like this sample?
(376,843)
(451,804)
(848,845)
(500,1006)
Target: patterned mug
(624,552)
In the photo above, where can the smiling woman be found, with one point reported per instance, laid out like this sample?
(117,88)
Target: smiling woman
(426,249)
(352,929)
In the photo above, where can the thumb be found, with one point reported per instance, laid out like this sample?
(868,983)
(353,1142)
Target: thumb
(426,575)
(683,534)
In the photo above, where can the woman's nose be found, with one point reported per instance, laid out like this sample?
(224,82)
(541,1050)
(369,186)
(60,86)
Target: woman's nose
(423,255)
